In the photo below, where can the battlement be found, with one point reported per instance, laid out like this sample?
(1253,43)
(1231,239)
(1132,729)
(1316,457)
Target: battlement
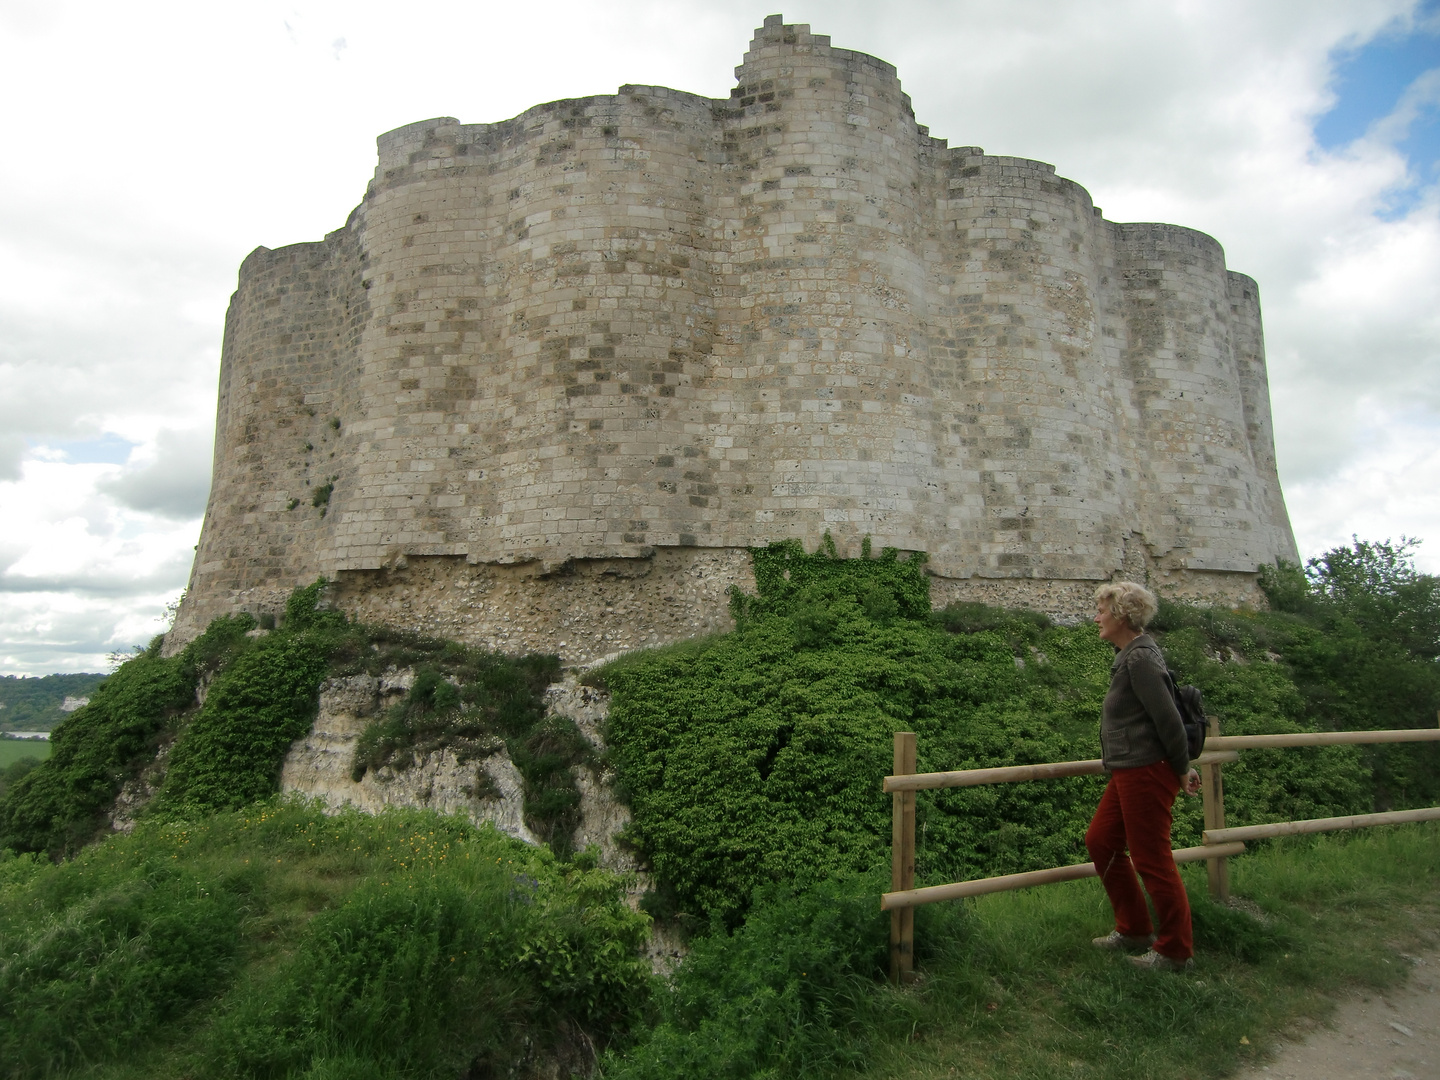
(598,350)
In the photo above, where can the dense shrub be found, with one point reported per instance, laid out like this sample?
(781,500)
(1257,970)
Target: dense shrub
(229,754)
(757,757)
(16,771)
(790,993)
(1373,584)
(1355,633)
(58,806)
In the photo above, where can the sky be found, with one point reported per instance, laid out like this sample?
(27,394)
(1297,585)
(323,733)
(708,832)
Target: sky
(150,146)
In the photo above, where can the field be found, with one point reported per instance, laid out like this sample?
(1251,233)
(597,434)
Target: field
(12,750)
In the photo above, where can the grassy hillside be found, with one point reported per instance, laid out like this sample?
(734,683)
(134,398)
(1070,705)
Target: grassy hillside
(236,935)
(278,941)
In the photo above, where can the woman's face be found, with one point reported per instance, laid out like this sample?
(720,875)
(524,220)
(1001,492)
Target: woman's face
(1112,628)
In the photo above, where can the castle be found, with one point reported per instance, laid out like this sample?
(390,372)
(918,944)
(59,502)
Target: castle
(555,375)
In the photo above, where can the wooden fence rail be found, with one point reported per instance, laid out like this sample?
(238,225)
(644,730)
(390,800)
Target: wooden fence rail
(1314,825)
(1013,773)
(961,889)
(1219,842)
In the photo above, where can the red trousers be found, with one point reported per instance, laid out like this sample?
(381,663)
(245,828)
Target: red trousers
(1134,812)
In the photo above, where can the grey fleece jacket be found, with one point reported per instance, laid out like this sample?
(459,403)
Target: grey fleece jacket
(1140,724)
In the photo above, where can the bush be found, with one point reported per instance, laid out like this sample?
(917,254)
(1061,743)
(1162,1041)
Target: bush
(790,993)
(757,757)
(16,771)
(104,955)
(398,944)
(59,806)
(230,753)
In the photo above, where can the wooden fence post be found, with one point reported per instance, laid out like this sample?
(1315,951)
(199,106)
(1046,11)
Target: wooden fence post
(902,864)
(1212,797)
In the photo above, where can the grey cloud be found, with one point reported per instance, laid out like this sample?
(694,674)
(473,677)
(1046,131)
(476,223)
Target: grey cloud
(73,641)
(104,583)
(12,449)
(24,657)
(176,484)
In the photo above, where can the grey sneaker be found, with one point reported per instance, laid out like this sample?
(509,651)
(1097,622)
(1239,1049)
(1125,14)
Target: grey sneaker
(1155,961)
(1116,940)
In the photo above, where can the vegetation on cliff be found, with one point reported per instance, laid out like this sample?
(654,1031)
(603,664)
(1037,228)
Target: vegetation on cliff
(756,757)
(260,688)
(235,935)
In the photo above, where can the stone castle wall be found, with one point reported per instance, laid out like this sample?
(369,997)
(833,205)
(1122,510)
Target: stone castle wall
(597,351)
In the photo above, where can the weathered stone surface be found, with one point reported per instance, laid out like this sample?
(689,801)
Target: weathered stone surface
(319,765)
(602,816)
(581,359)
(137,792)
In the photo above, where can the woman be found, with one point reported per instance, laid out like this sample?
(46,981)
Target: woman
(1143,746)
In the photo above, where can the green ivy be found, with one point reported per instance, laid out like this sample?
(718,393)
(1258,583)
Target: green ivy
(229,755)
(756,757)
(789,580)
(60,805)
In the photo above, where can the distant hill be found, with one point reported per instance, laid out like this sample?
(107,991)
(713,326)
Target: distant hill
(31,704)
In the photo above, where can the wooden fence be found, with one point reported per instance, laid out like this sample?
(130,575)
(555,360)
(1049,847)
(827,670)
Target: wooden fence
(1219,842)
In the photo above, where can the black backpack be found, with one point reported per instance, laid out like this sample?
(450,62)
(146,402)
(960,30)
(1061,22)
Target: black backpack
(1192,714)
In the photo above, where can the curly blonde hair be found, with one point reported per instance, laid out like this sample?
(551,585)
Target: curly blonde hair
(1135,604)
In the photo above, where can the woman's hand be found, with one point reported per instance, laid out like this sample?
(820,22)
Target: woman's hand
(1192,783)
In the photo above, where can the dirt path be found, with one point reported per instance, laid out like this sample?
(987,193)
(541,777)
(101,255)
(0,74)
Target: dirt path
(1393,1035)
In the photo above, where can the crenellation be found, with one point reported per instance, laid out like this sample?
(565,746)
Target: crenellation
(634,334)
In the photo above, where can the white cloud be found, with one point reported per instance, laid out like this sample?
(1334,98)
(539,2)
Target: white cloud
(1422,94)
(47,632)
(60,536)
(153,145)
(1390,486)
(81,575)
(172,479)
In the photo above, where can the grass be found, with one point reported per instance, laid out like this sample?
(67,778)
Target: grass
(12,750)
(1013,989)
(278,941)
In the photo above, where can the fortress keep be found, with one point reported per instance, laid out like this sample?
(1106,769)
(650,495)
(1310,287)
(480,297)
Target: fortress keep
(556,374)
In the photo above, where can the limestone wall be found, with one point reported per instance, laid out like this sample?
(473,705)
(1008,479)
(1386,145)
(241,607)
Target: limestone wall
(621,338)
